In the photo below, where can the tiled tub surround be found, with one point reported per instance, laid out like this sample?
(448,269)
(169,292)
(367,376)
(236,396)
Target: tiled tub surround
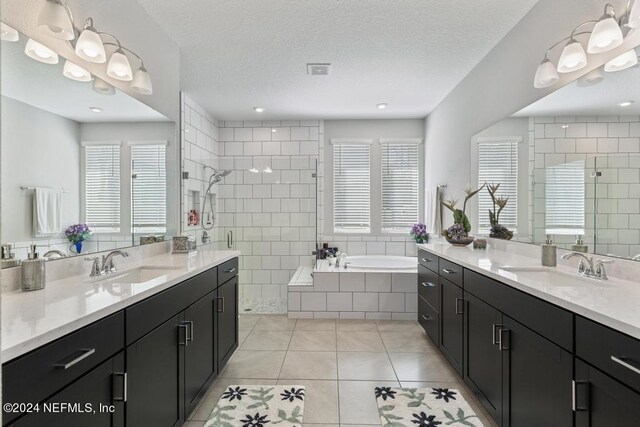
(337,293)
(32,319)
(612,303)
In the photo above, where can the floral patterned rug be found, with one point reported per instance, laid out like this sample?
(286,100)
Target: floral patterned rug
(259,406)
(424,407)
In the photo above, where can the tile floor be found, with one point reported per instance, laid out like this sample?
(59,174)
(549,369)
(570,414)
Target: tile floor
(339,362)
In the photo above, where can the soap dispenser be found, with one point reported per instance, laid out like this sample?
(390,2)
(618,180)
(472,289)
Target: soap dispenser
(579,245)
(549,257)
(33,271)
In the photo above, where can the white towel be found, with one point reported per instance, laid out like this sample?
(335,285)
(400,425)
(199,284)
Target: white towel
(432,208)
(47,212)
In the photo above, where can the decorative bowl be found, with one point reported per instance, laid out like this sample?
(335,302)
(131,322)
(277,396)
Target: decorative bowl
(464,241)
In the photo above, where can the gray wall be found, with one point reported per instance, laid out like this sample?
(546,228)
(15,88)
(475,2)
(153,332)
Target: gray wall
(39,149)
(500,85)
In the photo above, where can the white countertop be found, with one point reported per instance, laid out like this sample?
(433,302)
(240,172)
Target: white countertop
(32,319)
(612,302)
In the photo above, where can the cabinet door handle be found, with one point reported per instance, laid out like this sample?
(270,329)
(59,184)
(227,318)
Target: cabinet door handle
(125,386)
(230,270)
(627,363)
(494,334)
(426,317)
(221,306)
(190,330)
(73,359)
(184,327)
(428,285)
(503,339)
(446,270)
(426,260)
(459,307)
(574,396)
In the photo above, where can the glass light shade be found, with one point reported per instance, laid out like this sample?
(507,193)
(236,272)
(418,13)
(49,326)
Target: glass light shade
(592,78)
(622,62)
(89,46)
(8,33)
(54,21)
(546,75)
(102,87)
(634,15)
(75,72)
(119,67)
(142,82)
(606,35)
(573,57)
(39,52)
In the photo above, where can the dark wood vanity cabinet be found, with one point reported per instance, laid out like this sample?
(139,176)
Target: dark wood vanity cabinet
(153,360)
(452,315)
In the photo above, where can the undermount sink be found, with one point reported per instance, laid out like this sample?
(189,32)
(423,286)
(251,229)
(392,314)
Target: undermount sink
(138,275)
(552,277)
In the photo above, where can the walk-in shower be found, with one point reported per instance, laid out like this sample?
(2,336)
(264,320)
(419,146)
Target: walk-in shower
(214,178)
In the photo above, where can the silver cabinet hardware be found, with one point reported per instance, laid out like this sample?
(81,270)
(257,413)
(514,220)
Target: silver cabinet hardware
(503,339)
(627,363)
(459,307)
(427,317)
(428,285)
(221,306)
(427,260)
(229,239)
(494,333)
(123,397)
(190,330)
(184,327)
(84,353)
(446,270)
(230,270)
(574,396)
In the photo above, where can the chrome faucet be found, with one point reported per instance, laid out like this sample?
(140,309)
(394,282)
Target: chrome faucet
(54,252)
(339,260)
(600,271)
(636,258)
(108,266)
(590,270)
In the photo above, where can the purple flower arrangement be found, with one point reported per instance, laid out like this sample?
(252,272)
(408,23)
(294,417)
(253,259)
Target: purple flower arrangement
(78,233)
(419,233)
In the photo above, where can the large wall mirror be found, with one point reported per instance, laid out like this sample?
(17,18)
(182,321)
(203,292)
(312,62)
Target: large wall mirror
(75,150)
(570,166)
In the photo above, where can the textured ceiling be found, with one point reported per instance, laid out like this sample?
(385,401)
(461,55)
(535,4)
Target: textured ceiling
(43,86)
(409,53)
(601,99)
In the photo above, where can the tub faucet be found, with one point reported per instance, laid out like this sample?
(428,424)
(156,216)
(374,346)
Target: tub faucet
(339,260)
(60,254)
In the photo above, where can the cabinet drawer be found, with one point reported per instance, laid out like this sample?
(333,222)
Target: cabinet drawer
(450,271)
(227,271)
(548,320)
(429,286)
(610,351)
(429,320)
(428,260)
(146,315)
(44,371)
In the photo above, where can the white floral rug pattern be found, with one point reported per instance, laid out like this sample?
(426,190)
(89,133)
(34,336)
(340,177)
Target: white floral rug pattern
(259,406)
(424,407)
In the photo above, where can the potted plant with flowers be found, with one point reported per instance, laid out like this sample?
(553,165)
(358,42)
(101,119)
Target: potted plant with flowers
(458,233)
(77,234)
(498,231)
(419,233)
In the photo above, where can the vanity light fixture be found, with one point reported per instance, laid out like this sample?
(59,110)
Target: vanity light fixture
(573,57)
(75,72)
(267,170)
(258,109)
(622,62)
(8,33)
(96,109)
(55,20)
(254,170)
(382,105)
(606,33)
(40,53)
(142,82)
(102,87)
(626,103)
(634,15)
(592,78)
(89,45)
(119,67)
(546,75)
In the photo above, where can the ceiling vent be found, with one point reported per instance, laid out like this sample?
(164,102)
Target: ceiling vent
(318,69)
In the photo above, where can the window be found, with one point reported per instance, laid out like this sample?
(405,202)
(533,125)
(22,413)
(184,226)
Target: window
(564,198)
(498,164)
(352,187)
(149,189)
(102,186)
(399,179)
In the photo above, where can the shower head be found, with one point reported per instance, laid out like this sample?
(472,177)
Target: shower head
(217,174)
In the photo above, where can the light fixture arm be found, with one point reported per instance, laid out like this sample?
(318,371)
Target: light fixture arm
(573,35)
(102,33)
(127,50)
(68,9)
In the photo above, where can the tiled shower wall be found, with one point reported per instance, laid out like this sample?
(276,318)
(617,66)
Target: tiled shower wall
(556,140)
(199,147)
(269,203)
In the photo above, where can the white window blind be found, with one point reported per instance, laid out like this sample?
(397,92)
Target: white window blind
(351,187)
(498,164)
(149,188)
(565,198)
(399,192)
(102,187)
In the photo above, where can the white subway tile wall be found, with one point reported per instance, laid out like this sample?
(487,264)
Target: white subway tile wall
(615,141)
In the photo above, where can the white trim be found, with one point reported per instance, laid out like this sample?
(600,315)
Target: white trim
(486,139)
(400,140)
(89,143)
(351,141)
(149,142)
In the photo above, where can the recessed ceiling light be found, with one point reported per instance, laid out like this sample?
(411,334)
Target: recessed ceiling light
(382,106)
(258,109)
(96,109)
(626,103)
